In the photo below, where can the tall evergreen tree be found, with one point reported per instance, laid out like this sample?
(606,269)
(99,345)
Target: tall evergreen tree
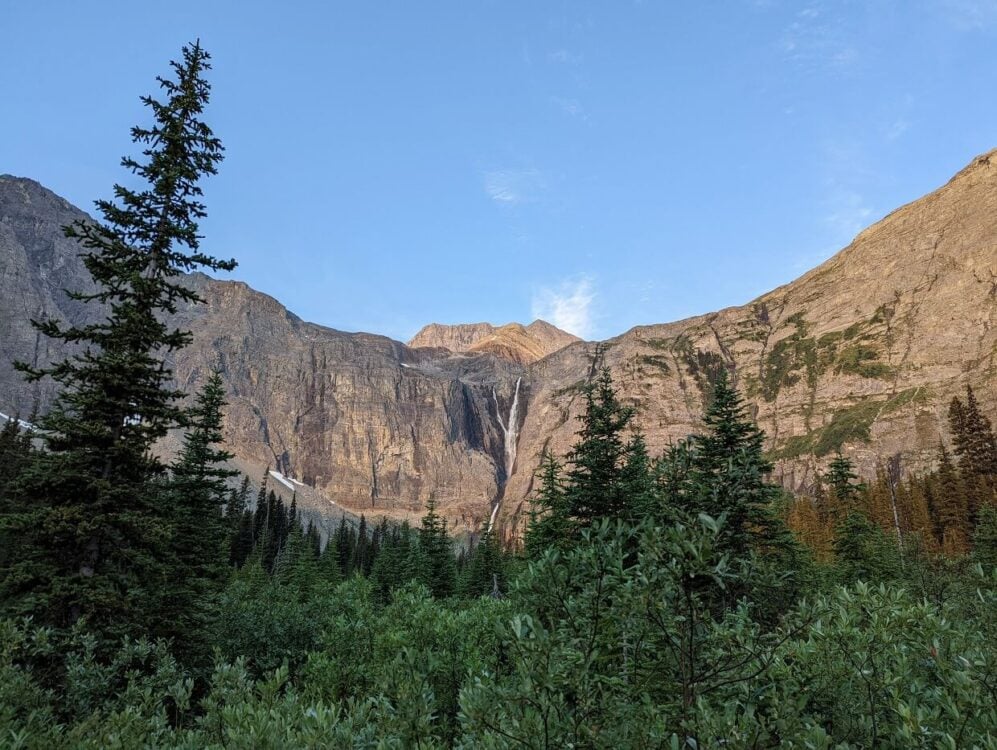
(15,453)
(485,568)
(398,563)
(594,480)
(278,527)
(728,472)
(985,540)
(438,567)
(91,540)
(638,481)
(975,447)
(261,514)
(241,546)
(329,569)
(842,479)
(549,525)
(238,501)
(346,542)
(973,437)
(863,551)
(198,493)
(950,509)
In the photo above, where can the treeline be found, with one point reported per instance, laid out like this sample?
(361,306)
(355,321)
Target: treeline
(272,537)
(933,512)
(658,602)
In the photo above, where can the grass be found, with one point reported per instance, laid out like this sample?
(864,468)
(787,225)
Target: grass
(848,425)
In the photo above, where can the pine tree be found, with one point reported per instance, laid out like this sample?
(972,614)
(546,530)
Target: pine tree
(261,515)
(863,551)
(549,525)
(15,453)
(438,564)
(975,447)
(238,501)
(346,542)
(314,538)
(973,436)
(277,530)
(91,542)
(198,494)
(593,483)
(484,569)
(678,490)
(638,482)
(329,569)
(361,552)
(985,540)
(949,506)
(842,480)
(241,546)
(295,566)
(728,475)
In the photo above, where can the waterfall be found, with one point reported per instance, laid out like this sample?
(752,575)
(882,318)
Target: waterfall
(510,431)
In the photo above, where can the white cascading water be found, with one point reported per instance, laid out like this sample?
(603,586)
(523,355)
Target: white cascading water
(510,430)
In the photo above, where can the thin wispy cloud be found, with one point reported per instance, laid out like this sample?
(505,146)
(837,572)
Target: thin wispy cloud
(567,305)
(564,57)
(513,186)
(849,215)
(816,40)
(571,107)
(896,129)
(969,15)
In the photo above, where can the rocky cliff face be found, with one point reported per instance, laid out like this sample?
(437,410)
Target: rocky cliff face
(36,264)
(861,354)
(513,341)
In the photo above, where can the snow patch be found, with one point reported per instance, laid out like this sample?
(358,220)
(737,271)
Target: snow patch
(282,479)
(20,423)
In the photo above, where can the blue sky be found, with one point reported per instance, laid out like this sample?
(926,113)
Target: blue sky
(600,164)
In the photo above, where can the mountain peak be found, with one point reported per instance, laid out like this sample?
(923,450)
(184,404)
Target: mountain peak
(514,341)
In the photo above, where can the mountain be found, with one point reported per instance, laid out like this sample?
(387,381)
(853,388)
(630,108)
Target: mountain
(513,341)
(861,354)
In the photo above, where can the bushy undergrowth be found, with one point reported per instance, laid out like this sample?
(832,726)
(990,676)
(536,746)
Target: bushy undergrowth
(591,649)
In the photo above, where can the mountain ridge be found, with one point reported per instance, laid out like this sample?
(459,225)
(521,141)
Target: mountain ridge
(860,354)
(520,343)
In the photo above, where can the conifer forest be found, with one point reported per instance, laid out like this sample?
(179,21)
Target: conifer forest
(679,600)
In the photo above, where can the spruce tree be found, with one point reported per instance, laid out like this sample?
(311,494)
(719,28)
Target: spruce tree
(361,552)
(728,475)
(549,525)
(438,567)
(862,550)
(484,569)
(638,481)
(346,542)
(15,453)
(92,537)
(975,447)
(593,483)
(985,541)
(241,546)
(950,509)
(261,514)
(842,480)
(329,569)
(198,493)
(238,501)
(973,437)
